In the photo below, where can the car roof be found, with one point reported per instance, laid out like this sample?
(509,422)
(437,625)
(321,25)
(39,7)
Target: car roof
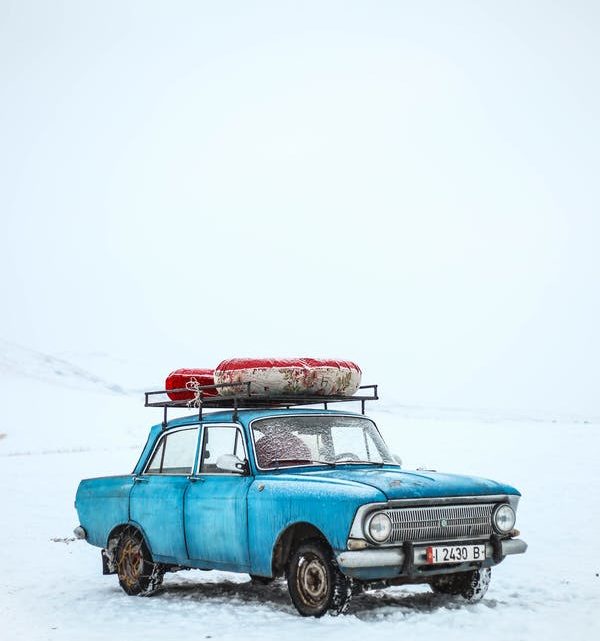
(245,416)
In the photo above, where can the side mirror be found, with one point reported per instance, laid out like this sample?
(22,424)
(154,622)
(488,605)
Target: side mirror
(231,463)
(397,459)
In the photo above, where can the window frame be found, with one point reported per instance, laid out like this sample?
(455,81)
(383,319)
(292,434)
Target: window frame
(200,453)
(159,443)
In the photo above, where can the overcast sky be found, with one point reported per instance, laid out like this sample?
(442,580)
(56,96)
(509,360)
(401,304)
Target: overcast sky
(414,186)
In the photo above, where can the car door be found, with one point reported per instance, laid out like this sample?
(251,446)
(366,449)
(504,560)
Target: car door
(156,499)
(215,506)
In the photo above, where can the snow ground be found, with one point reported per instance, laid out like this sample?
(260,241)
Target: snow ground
(52,588)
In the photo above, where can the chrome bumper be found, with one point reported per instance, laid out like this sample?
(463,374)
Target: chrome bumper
(388,557)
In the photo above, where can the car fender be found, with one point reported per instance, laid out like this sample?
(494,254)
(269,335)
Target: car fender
(122,526)
(280,501)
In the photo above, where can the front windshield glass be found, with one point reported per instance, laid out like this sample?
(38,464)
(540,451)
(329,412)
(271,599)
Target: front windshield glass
(282,441)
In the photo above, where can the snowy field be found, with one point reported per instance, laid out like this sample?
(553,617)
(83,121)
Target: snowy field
(73,426)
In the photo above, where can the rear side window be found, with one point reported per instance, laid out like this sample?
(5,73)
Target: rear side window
(175,453)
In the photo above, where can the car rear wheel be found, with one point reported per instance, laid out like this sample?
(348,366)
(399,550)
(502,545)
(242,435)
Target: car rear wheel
(137,573)
(471,586)
(315,583)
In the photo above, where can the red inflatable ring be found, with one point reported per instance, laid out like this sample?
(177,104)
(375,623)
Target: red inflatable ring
(187,379)
(323,377)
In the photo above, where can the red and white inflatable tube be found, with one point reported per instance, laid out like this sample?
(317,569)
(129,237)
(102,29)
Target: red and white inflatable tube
(323,377)
(189,379)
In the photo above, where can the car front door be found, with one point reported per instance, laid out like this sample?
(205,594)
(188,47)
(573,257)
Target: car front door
(215,506)
(156,499)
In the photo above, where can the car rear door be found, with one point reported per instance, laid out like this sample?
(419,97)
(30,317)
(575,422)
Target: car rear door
(156,499)
(215,505)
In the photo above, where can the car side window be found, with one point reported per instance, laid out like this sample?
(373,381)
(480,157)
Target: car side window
(219,440)
(175,453)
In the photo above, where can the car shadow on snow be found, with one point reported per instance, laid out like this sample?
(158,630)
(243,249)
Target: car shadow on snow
(367,605)
(382,603)
(274,594)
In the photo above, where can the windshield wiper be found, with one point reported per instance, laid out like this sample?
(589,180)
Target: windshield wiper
(301,461)
(355,462)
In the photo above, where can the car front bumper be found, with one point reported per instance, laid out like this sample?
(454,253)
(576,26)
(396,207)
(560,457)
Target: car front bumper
(393,562)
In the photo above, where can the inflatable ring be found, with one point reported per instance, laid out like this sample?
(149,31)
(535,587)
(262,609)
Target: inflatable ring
(187,379)
(283,376)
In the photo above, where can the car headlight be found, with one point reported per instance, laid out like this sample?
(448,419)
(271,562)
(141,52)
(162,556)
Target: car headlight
(379,527)
(504,518)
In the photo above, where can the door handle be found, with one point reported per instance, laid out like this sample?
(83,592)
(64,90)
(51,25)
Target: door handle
(195,479)
(140,479)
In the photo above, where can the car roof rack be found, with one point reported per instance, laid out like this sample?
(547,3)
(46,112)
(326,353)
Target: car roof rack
(244,398)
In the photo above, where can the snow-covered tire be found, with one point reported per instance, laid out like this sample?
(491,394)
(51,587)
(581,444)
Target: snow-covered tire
(315,582)
(471,586)
(138,574)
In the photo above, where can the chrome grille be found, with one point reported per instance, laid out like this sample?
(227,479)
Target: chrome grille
(440,523)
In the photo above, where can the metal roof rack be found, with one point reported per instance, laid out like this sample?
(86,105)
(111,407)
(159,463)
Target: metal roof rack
(244,398)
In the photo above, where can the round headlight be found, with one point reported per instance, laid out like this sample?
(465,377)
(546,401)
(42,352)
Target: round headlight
(504,518)
(380,527)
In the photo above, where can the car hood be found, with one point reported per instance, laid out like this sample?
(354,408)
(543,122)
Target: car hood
(402,484)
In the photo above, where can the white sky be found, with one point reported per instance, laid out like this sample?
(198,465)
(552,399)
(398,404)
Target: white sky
(410,185)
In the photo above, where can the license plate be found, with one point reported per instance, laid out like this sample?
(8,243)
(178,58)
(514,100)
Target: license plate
(454,553)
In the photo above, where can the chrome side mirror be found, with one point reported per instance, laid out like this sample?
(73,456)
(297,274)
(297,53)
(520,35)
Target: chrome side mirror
(397,459)
(231,463)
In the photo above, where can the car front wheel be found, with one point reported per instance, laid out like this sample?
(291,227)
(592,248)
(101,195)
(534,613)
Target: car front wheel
(315,583)
(471,586)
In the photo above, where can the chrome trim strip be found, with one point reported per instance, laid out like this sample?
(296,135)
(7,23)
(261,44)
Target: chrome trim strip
(513,500)
(513,546)
(441,500)
(357,530)
(371,558)
(420,523)
(394,557)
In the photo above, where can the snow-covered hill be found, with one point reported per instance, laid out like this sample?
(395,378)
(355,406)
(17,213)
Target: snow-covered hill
(51,404)
(62,371)
(61,421)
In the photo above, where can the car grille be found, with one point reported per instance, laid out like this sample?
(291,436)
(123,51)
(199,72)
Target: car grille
(440,523)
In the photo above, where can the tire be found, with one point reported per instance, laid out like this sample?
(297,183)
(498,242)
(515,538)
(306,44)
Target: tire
(138,574)
(315,583)
(471,586)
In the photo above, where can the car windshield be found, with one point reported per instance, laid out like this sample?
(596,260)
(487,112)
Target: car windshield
(284,441)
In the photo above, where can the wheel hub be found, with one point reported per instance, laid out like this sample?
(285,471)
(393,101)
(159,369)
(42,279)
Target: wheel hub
(312,581)
(131,563)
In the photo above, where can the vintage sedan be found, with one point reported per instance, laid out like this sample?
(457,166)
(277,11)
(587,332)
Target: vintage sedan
(310,494)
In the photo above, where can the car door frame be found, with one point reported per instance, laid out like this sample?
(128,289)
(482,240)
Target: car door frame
(204,481)
(144,480)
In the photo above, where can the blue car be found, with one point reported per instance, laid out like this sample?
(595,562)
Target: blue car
(272,488)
